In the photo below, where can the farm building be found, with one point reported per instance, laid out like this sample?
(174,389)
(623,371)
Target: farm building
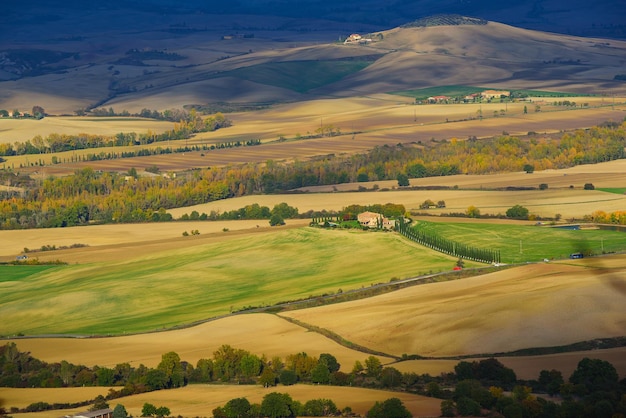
(490,94)
(374,220)
(438,99)
(100,413)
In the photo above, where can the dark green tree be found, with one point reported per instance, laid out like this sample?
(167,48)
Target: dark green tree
(447,408)
(390,377)
(99,403)
(320,374)
(288,377)
(119,411)
(374,366)
(391,408)
(467,407)
(148,410)
(362,177)
(319,408)
(285,211)
(593,375)
(162,411)
(105,376)
(156,379)
(277,405)
(330,361)
(529,168)
(268,377)
(517,212)
(416,170)
(403,180)
(551,381)
(250,365)
(171,366)
(237,408)
(276,220)
(38,112)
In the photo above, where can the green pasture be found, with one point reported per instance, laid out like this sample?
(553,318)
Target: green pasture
(458,91)
(440,91)
(524,243)
(300,76)
(179,286)
(616,190)
(12,272)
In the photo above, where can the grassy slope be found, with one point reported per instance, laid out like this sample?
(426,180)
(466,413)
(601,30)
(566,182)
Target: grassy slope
(300,76)
(174,286)
(520,243)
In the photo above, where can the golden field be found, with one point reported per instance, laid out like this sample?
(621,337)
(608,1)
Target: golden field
(200,400)
(535,305)
(377,121)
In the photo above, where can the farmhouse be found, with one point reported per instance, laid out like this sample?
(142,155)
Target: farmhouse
(438,99)
(374,220)
(355,38)
(490,94)
(100,413)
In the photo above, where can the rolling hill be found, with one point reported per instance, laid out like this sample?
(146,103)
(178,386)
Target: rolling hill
(236,60)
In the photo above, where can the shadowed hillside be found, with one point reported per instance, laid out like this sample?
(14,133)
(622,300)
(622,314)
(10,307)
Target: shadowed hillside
(235,60)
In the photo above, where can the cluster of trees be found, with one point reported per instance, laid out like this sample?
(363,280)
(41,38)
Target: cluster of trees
(445,245)
(253,211)
(276,405)
(593,389)
(38,112)
(55,142)
(388,210)
(88,196)
(282,405)
(430,204)
(599,216)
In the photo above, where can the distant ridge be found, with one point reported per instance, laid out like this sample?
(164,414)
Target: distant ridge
(445,20)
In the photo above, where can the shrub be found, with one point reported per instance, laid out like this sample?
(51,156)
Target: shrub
(589,186)
(517,212)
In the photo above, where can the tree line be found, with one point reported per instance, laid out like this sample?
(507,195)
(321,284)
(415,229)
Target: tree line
(447,246)
(90,196)
(55,142)
(594,388)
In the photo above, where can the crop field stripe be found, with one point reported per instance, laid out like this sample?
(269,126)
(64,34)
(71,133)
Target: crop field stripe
(616,190)
(175,286)
(519,243)
(300,76)
(9,273)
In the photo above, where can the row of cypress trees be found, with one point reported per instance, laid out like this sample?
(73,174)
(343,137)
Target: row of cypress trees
(447,246)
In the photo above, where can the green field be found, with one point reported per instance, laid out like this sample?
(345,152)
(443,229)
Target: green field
(616,190)
(440,91)
(300,76)
(519,243)
(176,286)
(460,91)
(10,272)
(179,286)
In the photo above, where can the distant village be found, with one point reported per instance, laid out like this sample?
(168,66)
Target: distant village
(474,97)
